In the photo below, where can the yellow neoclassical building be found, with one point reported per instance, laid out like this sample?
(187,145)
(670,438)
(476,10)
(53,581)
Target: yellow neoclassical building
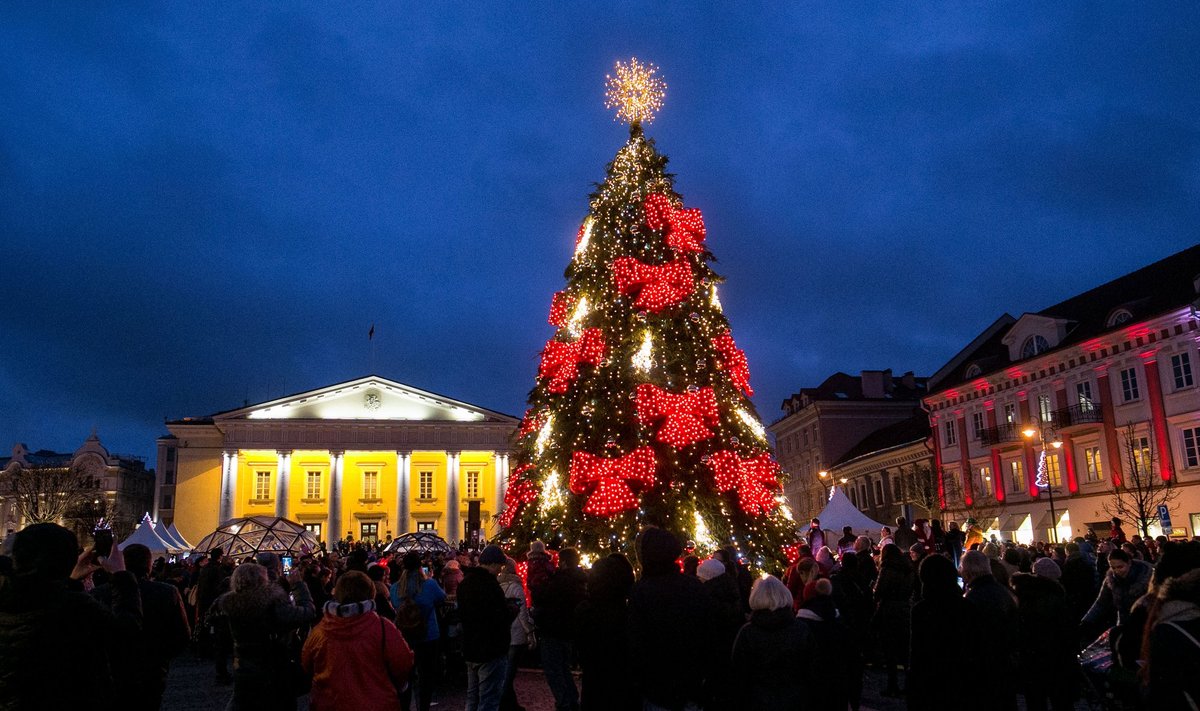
(366,459)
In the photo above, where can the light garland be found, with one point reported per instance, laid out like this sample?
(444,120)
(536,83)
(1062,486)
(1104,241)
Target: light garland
(643,359)
(575,325)
(714,300)
(752,422)
(635,92)
(701,534)
(543,437)
(551,496)
(584,237)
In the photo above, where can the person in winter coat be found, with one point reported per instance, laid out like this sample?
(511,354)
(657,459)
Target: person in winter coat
(1173,646)
(1176,559)
(815,535)
(938,536)
(263,623)
(555,601)
(998,624)
(1125,581)
(772,652)
(521,633)
(845,544)
(45,615)
(1079,581)
(486,620)
(1046,638)
(974,536)
(893,599)
(838,685)
(602,638)
(954,543)
(452,575)
(357,659)
(940,622)
(853,603)
(539,568)
(1116,534)
(379,575)
(670,634)
(723,591)
(414,588)
(904,536)
(165,633)
(797,576)
(825,561)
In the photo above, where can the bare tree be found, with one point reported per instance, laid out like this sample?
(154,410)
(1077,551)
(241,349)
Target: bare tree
(919,487)
(1141,491)
(48,494)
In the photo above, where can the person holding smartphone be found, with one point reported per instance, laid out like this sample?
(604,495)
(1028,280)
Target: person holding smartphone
(416,596)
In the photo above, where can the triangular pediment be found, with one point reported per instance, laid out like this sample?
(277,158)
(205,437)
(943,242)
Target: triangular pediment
(369,398)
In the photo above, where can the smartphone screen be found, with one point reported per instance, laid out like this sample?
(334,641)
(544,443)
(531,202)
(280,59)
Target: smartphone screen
(287,564)
(104,542)
(425,570)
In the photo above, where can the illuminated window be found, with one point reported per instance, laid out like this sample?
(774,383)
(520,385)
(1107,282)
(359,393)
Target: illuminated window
(262,485)
(1095,469)
(312,485)
(426,526)
(985,481)
(1053,474)
(425,485)
(1129,384)
(1083,391)
(1016,476)
(368,532)
(1142,455)
(1181,367)
(313,528)
(1033,346)
(1191,447)
(977,424)
(370,485)
(1045,410)
(473,476)
(1010,413)
(950,434)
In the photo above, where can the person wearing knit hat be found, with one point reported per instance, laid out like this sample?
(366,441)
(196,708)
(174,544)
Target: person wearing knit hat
(486,621)
(539,567)
(710,569)
(1047,568)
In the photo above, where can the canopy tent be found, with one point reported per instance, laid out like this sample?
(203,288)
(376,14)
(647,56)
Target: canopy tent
(164,533)
(422,542)
(146,536)
(179,537)
(841,512)
(240,537)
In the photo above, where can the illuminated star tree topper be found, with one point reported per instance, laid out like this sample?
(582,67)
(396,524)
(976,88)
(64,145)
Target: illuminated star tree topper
(636,92)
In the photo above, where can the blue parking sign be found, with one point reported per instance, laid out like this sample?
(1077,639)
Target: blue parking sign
(1164,518)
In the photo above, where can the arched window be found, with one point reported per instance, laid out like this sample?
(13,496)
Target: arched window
(974,371)
(1118,317)
(1033,346)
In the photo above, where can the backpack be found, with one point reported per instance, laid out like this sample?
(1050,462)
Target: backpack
(411,620)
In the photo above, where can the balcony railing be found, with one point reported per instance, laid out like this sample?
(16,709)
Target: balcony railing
(1078,415)
(1007,432)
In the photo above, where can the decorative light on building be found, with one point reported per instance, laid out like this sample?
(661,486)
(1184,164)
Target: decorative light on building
(643,359)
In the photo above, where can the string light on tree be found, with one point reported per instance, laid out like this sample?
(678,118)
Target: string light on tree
(575,325)
(643,359)
(714,300)
(752,422)
(636,92)
(585,236)
(543,437)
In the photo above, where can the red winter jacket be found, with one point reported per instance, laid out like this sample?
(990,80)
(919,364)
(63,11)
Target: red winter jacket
(347,659)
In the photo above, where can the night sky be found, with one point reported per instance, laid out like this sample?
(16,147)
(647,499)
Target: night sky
(202,205)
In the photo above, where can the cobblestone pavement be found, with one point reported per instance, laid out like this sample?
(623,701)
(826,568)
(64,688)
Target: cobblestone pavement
(190,687)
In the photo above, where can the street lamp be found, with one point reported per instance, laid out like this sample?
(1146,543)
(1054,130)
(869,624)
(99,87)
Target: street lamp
(823,476)
(1040,431)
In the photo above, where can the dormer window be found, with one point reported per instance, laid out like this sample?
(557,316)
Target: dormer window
(1033,346)
(974,371)
(1118,317)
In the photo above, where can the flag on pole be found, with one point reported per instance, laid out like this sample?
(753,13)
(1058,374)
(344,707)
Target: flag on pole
(371,333)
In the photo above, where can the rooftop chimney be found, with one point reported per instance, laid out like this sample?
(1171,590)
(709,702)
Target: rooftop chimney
(876,383)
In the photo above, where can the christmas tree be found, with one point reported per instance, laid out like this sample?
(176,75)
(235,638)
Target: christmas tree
(641,412)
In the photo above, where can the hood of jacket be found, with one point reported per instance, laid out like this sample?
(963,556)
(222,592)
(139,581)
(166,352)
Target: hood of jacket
(252,602)
(350,627)
(772,619)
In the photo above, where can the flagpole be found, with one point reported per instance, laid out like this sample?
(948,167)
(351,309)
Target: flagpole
(371,338)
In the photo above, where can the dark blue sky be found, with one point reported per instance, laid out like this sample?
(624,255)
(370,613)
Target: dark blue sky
(201,205)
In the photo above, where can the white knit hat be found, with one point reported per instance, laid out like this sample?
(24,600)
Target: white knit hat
(710,569)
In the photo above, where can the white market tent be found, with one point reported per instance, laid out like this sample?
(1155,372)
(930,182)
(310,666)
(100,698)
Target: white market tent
(146,536)
(178,536)
(840,512)
(163,532)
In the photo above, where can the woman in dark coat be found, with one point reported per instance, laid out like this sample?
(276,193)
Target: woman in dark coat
(263,622)
(893,600)
(840,682)
(602,639)
(773,652)
(1173,645)
(941,622)
(1046,634)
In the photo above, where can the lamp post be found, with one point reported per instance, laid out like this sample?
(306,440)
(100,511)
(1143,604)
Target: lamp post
(1040,431)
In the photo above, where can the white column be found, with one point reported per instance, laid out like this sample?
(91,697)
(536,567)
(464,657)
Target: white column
(453,526)
(335,496)
(403,482)
(229,470)
(283,483)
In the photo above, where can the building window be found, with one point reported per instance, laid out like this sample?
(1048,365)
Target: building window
(1053,473)
(313,528)
(951,435)
(1016,476)
(879,492)
(426,526)
(168,501)
(425,485)
(1083,391)
(1010,413)
(977,425)
(262,485)
(1095,469)
(1045,410)
(1129,384)
(804,434)
(370,485)
(472,487)
(170,454)
(1033,346)
(985,481)
(1142,456)
(1118,317)
(1191,447)
(1181,367)
(312,485)
(368,532)
(973,371)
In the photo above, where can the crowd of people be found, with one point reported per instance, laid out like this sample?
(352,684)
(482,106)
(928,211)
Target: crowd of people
(950,617)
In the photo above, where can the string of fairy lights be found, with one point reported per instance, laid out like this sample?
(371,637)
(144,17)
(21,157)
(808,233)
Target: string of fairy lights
(640,414)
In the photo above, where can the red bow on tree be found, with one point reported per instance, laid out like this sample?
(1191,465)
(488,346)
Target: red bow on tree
(530,423)
(756,480)
(658,287)
(559,305)
(608,480)
(734,360)
(685,417)
(560,360)
(685,228)
(519,492)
